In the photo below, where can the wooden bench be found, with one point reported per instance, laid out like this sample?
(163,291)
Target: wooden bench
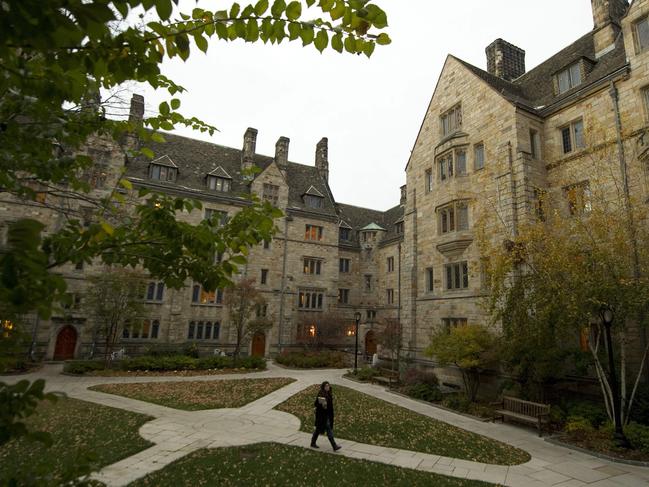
(388,376)
(526,411)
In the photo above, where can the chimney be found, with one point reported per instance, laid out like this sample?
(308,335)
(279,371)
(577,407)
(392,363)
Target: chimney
(505,60)
(281,152)
(322,158)
(606,23)
(249,147)
(136,114)
(403,200)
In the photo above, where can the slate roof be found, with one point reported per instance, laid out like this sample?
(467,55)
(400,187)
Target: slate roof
(360,218)
(535,89)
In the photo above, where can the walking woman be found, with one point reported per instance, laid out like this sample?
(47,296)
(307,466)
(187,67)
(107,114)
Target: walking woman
(324,416)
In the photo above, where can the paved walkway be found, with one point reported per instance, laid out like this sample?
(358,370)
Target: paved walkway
(177,433)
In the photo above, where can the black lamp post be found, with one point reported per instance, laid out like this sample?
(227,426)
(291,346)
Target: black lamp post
(620,439)
(357,317)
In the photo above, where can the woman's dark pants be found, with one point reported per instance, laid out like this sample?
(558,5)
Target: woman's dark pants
(330,435)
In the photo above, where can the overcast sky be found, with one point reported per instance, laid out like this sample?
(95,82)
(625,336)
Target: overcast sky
(370,109)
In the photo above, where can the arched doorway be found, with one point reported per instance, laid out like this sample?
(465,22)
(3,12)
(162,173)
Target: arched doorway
(258,345)
(66,343)
(370,343)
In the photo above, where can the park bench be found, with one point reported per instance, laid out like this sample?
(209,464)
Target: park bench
(525,411)
(387,376)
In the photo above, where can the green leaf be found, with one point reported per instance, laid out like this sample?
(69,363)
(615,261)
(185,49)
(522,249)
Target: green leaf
(201,42)
(147,152)
(164,8)
(252,31)
(108,228)
(383,39)
(175,103)
(337,42)
(261,7)
(338,11)
(126,184)
(307,34)
(278,8)
(321,40)
(293,11)
(350,44)
(368,48)
(234,10)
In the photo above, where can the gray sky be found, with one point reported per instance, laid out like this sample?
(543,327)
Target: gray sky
(371,109)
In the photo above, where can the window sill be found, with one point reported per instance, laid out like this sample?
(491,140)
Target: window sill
(208,305)
(310,310)
(152,301)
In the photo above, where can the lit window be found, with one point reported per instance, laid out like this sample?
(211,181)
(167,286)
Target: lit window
(572,136)
(313,232)
(457,275)
(451,121)
(642,33)
(216,183)
(569,78)
(201,296)
(478,157)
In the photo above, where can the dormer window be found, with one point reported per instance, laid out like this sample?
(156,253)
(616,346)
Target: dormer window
(451,121)
(163,169)
(218,184)
(219,180)
(313,198)
(398,227)
(569,78)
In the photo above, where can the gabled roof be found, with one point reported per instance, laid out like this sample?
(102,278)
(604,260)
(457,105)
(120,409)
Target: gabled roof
(373,226)
(313,192)
(165,161)
(219,172)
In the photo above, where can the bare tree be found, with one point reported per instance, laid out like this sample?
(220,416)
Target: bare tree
(115,300)
(243,300)
(390,338)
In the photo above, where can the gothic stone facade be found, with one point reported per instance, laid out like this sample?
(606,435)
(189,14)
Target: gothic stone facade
(491,141)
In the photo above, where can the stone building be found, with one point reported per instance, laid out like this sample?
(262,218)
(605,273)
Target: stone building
(495,140)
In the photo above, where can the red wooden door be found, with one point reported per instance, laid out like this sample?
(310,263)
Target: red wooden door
(370,343)
(66,343)
(258,345)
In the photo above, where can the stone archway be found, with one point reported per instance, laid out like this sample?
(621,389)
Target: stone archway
(370,343)
(258,348)
(66,343)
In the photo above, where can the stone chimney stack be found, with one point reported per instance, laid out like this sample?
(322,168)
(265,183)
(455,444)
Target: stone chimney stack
(249,147)
(505,60)
(136,113)
(404,198)
(322,158)
(606,23)
(281,152)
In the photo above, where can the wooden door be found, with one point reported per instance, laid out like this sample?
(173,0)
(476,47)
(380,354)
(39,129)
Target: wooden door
(370,343)
(258,345)
(66,343)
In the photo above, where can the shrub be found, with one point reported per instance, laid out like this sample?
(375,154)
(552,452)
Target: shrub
(426,392)
(365,374)
(83,366)
(250,363)
(191,350)
(458,402)
(593,413)
(640,407)
(638,436)
(163,351)
(312,360)
(414,376)
(578,426)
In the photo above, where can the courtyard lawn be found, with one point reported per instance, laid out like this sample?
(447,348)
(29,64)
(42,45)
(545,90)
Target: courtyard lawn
(274,464)
(197,395)
(78,429)
(365,419)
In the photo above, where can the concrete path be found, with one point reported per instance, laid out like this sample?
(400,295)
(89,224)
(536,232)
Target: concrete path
(177,433)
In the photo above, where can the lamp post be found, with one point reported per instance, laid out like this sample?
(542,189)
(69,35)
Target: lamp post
(620,439)
(357,318)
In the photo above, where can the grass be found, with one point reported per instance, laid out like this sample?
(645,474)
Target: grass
(77,428)
(197,395)
(274,464)
(365,419)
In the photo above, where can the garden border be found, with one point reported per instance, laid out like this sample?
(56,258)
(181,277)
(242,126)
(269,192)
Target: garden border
(554,440)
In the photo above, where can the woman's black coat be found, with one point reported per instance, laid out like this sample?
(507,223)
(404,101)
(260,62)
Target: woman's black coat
(323,414)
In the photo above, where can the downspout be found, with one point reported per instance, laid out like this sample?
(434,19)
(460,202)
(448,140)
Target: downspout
(627,202)
(283,286)
(514,196)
